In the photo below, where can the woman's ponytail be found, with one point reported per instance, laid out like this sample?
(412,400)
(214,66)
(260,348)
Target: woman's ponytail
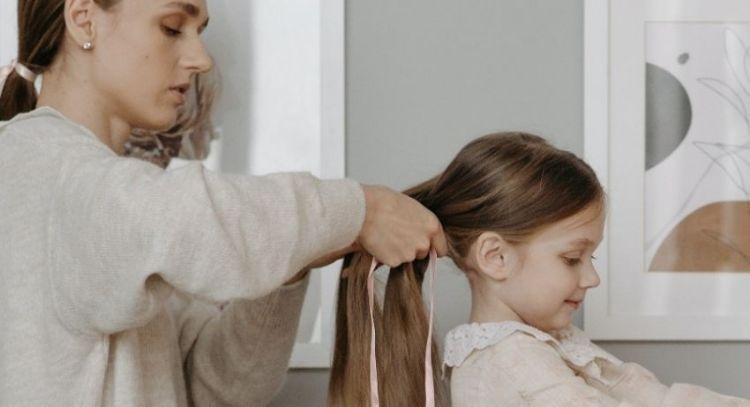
(18,96)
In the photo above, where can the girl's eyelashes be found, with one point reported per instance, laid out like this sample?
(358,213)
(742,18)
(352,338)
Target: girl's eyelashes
(571,261)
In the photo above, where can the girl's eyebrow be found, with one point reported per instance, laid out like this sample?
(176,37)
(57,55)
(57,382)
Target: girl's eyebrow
(582,242)
(188,8)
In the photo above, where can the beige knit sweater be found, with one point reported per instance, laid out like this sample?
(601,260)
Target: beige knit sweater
(111,272)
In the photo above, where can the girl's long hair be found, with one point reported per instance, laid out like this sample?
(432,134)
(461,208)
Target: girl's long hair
(512,183)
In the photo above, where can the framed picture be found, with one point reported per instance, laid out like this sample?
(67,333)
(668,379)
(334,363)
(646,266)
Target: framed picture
(281,108)
(667,129)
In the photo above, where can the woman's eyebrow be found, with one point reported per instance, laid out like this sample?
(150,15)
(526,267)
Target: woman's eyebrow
(188,8)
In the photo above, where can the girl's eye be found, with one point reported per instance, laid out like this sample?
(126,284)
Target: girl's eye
(170,32)
(571,261)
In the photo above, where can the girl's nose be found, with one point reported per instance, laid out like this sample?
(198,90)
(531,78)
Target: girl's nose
(589,277)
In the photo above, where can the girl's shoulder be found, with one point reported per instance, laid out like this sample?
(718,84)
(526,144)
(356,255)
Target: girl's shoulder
(515,338)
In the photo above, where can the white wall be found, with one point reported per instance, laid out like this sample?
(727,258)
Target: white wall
(8,35)
(269,108)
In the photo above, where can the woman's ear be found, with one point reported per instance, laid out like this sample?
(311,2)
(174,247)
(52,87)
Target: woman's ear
(488,256)
(79,21)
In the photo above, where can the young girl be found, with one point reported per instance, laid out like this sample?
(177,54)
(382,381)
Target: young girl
(522,219)
(111,268)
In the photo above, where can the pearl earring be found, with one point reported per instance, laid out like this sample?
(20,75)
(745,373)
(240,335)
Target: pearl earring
(88,45)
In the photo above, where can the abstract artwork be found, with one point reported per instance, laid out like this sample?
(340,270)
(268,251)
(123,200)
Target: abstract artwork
(697,147)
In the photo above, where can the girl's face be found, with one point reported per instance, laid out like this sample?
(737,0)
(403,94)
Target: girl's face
(145,54)
(549,279)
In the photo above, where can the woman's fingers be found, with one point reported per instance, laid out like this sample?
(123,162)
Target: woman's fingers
(439,242)
(397,228)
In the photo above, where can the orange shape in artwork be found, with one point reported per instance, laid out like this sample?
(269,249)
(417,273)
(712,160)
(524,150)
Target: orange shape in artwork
(715,237)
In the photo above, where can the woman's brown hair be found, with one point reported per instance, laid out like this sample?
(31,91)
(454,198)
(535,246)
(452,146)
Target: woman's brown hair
(41,30)
(191,134)
(511,183)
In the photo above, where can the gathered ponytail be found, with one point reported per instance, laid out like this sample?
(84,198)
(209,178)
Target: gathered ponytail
(18,96)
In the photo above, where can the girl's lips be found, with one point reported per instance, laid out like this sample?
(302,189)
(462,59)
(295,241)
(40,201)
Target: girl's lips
(574,304)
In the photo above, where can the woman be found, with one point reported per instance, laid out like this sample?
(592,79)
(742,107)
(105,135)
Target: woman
(112,267)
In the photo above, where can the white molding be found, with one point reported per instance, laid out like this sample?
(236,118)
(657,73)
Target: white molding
(332,165)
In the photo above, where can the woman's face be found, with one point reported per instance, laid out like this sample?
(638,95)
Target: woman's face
(145,54)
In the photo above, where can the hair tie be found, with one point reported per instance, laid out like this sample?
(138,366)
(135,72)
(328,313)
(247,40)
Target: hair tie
(20,69)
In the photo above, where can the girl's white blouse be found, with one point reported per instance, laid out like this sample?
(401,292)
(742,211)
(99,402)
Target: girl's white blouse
(513,364)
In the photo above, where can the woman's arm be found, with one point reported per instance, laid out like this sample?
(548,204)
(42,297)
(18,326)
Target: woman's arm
(238,356)
(124,233)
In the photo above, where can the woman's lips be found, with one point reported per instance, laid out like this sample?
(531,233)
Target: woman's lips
(574,304)
(178,95)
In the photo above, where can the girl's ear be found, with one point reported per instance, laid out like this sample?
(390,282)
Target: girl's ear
(488,256)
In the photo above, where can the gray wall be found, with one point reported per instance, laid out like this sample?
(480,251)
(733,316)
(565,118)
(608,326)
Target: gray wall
(426,76)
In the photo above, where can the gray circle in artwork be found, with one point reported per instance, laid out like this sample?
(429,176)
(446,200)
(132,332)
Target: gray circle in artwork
(668,114)
(683,58)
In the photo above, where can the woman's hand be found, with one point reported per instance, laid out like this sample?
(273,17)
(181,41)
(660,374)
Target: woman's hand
(398,229)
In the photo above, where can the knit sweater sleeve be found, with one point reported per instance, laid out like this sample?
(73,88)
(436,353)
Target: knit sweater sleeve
(239,355)
(124,233)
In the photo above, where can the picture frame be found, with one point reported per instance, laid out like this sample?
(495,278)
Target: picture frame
(656,71)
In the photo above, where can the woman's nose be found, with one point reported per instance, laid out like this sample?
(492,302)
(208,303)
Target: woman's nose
(198,60)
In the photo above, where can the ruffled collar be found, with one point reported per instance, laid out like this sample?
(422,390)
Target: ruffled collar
(571,343)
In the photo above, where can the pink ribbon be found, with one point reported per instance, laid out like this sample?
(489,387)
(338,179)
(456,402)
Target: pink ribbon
(429,385)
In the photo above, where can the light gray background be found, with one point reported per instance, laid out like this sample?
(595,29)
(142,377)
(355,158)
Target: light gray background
(426,76)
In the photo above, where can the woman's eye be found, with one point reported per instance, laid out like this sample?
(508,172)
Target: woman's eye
(171,32)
